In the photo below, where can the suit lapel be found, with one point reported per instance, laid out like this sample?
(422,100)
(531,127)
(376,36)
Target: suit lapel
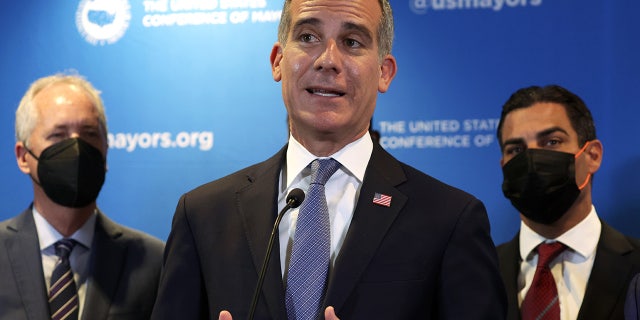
(106,264)
(509,257)
(257,205)
(368,226)
(25,259)
(609,277)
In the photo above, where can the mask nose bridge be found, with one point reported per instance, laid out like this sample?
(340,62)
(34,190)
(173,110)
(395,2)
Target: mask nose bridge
(531,163)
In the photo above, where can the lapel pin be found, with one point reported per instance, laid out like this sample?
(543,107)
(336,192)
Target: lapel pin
(382,199)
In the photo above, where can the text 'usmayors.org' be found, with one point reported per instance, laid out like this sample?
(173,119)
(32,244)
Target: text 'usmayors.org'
(202,140)
(422,6)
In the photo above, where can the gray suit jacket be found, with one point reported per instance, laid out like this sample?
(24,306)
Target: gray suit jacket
(123,273)
(617,260)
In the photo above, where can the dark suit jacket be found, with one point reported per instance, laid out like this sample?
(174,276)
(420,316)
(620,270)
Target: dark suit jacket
(632,304)
(617,260)
(427,256)
(123,274)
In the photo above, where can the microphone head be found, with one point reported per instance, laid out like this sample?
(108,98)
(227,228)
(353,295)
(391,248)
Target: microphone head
(295,197)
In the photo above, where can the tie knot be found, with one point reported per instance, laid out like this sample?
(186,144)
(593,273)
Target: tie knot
(323,169)
(549,251)
(64,247)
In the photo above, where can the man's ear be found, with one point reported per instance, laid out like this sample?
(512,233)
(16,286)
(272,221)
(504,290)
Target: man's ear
(388,70)
(276,58)
(594,155)
(21,157)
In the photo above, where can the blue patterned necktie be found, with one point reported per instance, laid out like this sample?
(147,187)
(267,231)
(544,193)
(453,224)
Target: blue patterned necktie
(63,296)
(310,255)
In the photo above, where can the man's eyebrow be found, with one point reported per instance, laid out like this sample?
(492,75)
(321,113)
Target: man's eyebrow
(59,126)
(310,21)
(539,135)
(513,141)
(550,131)
(359,28)
(350,26)
(90,126)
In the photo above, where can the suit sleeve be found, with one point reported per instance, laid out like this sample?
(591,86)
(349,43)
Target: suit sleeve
(470,285)
(631,307)
(181,290)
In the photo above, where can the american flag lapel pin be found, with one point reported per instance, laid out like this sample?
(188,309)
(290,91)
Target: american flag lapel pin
(382,199)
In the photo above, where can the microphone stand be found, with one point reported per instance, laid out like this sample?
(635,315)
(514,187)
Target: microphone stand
(294,199)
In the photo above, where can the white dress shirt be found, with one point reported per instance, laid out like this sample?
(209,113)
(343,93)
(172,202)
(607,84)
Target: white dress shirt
(79,258)
(342,191)
(571,269)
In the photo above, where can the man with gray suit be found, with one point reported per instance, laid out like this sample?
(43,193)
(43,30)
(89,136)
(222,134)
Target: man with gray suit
(62,258)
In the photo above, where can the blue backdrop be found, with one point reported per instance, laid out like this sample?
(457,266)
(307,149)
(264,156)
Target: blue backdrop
(190,98)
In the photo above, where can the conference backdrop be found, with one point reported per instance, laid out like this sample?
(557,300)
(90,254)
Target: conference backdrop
(190,98)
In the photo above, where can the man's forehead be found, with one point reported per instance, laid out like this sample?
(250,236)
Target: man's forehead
(61,94)
(62,108)
(536,119)
(359,9)
(541,113)
(59,88)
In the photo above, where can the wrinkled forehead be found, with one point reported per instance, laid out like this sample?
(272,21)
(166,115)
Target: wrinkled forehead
(357,11)
(528,123)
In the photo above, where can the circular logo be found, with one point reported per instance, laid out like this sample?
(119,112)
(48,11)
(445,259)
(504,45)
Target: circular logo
(419,6)
(103,22)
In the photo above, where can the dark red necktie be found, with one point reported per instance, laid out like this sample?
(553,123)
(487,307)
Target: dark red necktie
(541,301)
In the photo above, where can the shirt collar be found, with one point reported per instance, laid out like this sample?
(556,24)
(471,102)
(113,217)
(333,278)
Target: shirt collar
(48,235)
(582,238)
(350,157)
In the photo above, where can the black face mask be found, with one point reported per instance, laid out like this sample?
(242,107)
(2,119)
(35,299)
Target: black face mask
(71,172)
(541,184)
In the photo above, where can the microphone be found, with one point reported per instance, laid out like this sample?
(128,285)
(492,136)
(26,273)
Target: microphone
(294,199)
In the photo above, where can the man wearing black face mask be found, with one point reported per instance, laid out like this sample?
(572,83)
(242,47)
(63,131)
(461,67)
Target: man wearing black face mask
(62,258)
(565,263)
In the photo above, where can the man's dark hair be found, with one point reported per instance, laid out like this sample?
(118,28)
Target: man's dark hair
(578,113)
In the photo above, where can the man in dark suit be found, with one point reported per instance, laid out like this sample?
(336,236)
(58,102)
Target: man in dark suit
(113,271)
(402,244)
(549,155)
(632,303)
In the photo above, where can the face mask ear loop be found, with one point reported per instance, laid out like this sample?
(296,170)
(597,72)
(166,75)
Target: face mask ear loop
(583,149)
(35,157)
(584,184)
(24,144)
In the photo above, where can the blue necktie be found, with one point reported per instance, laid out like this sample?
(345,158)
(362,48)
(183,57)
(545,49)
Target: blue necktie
(310,255)
(63,296)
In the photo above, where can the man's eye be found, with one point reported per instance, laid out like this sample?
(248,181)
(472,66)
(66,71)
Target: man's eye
(553,142)
(513,150)
(57,135)
(307,38)
(352,43)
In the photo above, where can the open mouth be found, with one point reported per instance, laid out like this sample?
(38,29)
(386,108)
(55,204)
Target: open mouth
(325,93)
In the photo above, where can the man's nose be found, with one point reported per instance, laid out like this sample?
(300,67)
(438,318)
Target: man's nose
(330,58)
